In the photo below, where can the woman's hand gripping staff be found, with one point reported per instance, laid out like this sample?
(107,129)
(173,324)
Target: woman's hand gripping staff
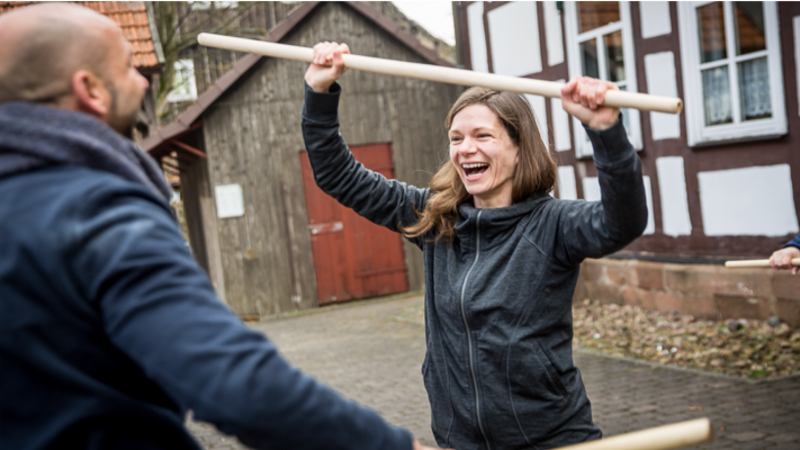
(583,98)
(328,66)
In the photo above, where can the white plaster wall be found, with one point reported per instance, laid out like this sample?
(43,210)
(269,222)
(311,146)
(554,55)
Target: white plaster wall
(796,27)
(552,30)
(661,80)
(583,146)
(561,133)
(655,19)
(514,39)
(539,108)
(567,189)
(591,189)
(674,200)
(756,201)
(591,192)
(477,38)
(648,193)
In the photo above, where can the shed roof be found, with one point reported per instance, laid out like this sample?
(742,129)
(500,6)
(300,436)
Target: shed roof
(132,18)
(184,122)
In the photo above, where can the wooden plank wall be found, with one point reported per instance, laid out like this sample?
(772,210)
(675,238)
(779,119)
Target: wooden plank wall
(253,137)
(197,195)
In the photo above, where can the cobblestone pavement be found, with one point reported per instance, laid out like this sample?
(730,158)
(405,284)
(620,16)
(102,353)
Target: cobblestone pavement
(367,352)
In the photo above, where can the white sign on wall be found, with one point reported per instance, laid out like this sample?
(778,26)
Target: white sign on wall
(230,200)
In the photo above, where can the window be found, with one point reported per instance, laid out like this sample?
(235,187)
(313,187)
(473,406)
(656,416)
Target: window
(202,5)
(600,45)
(732,66)
(183,85)
(197,6)
(226,5)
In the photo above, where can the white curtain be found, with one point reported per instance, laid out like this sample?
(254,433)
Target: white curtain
(754,89)
(717,96)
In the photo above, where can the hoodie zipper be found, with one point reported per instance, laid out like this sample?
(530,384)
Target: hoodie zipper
(469,333)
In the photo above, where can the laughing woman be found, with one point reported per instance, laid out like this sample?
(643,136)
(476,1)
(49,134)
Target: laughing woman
(501,255)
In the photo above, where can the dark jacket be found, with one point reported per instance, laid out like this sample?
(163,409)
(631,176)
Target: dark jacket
(795,242)
(498,318)
(110,331)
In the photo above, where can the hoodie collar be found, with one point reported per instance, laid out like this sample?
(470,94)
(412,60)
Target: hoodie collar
(33,136)
(494,223)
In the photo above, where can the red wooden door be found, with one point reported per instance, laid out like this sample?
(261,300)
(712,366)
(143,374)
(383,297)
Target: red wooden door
(353,258)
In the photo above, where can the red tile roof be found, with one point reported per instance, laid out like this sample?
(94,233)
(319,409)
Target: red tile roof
(131,18)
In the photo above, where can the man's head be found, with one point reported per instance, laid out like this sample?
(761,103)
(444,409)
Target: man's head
(70,57)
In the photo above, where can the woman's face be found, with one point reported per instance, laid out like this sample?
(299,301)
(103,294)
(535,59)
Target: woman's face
(484,156)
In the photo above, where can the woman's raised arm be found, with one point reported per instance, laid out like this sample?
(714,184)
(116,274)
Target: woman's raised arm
(595,229)
(389,203)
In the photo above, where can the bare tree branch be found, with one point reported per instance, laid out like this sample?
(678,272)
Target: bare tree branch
(178,33)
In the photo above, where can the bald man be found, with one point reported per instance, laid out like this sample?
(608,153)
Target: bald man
(109,330)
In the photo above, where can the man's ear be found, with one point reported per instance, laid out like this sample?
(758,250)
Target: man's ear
(90,94)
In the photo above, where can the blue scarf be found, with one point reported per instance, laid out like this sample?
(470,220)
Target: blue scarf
(34,136)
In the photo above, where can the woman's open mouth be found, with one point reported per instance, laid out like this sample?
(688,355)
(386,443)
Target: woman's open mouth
(473,171)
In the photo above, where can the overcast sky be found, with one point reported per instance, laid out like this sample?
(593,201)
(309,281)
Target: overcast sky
(436,16)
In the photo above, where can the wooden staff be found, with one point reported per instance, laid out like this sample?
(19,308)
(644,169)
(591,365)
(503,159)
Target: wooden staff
(677,435)
(754,263)
(621,99)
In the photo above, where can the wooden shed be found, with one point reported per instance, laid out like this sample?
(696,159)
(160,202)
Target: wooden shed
(269,239)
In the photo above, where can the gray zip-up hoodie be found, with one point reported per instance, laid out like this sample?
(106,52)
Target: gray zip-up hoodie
(498,319)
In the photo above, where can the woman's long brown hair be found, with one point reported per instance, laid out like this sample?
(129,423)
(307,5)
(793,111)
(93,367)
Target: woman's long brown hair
(535,171)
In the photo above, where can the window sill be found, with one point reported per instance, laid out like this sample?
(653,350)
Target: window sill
(738,140)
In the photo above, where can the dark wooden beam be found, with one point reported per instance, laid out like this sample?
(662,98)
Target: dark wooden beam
(188,148)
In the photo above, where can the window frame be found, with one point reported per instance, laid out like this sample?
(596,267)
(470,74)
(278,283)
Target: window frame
(199,5)
(180,65)
(226,5)
(697,132)
(583,148)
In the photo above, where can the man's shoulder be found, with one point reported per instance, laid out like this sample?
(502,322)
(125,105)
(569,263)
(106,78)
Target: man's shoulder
(59,213)
(73,176)
(56,196)
(74,183)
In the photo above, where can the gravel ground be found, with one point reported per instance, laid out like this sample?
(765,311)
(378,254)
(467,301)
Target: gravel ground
(742,348)
(749,349)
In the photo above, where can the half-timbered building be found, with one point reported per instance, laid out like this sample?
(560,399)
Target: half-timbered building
(722,178)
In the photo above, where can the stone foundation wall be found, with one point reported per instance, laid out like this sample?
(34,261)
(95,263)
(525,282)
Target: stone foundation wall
(702,290)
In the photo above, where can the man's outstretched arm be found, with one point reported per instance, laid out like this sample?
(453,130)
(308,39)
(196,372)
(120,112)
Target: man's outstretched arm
(159,308)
